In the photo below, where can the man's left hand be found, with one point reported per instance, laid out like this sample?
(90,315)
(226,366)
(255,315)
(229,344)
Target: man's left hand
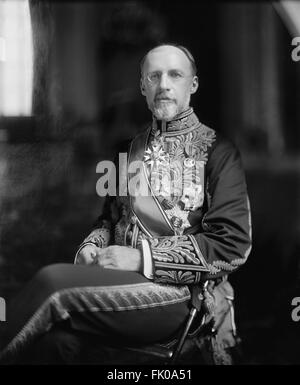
(120,258)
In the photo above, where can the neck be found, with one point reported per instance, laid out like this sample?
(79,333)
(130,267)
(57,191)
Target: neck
(184,121)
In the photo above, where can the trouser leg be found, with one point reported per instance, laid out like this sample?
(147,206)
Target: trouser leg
(60,345)
(56,278)
(117,306)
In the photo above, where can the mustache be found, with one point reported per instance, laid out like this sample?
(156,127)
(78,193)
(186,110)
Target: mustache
(163,97)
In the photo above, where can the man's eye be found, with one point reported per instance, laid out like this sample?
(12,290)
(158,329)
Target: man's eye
(153,77)
(175,75)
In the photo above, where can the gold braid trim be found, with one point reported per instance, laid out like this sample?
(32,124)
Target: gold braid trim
(177,260)
(99,237)
(218,266)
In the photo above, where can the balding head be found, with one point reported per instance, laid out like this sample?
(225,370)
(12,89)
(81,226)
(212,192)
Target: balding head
(171,47)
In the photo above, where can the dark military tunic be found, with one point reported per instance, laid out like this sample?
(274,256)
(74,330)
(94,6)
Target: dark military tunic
(191,221)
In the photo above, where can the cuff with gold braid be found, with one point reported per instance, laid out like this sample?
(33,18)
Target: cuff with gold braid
(98,237)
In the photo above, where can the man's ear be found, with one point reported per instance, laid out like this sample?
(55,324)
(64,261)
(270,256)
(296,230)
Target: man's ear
(195,85)
(142,86)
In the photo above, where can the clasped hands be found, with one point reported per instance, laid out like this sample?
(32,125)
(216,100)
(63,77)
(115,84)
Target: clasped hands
(111,257)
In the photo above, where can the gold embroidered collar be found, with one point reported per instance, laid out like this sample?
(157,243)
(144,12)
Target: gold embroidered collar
(181,124)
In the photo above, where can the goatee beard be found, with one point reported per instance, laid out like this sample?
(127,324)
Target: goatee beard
(166,111)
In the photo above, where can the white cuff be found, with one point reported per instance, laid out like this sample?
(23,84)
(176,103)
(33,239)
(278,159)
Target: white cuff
(147,260)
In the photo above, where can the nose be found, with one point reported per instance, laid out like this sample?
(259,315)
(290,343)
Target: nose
(164,83)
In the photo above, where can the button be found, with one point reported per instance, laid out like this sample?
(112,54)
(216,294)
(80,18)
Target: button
(133,220)
(129,236)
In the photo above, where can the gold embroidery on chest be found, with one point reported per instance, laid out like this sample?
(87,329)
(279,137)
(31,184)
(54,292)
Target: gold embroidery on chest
(175,166)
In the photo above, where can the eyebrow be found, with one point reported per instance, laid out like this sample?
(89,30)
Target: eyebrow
(171,69)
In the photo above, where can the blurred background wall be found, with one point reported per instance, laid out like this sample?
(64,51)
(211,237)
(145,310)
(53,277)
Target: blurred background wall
(86,100)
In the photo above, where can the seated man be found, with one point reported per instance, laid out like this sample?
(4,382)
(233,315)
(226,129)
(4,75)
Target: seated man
(184,221)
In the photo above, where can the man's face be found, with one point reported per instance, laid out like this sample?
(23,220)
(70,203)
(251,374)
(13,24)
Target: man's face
(167,82)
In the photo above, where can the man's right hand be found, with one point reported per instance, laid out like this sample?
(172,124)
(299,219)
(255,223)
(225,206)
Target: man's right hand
(88,255)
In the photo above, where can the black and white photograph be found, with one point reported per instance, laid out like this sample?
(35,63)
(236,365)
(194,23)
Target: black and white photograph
(149,185)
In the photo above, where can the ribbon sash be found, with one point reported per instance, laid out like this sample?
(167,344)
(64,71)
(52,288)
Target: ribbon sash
(145,205)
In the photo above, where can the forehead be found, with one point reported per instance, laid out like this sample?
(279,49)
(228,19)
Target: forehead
(166,58)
